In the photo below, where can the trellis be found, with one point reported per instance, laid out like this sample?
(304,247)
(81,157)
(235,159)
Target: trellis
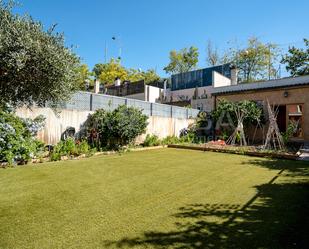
(239,131)
(273,138)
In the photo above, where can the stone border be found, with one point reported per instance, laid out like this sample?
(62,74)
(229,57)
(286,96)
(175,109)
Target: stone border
(247,153)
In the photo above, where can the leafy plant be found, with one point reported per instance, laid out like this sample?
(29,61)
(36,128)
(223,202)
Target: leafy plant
(151,140)
(226,112)
(83,147)
(170,140)
(290,130)
(17,138)
(114,129)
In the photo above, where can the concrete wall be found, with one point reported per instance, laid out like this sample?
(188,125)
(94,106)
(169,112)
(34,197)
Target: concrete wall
(57,123)
(296,95)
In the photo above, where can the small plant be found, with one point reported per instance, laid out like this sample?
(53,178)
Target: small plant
(69,147)
(151,140)
(170,140)
(83,147)
(292,127)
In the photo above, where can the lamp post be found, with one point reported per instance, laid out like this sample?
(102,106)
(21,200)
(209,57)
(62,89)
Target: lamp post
(117,39)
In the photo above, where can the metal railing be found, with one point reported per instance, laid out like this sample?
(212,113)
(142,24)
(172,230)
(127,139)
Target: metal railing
(86,101)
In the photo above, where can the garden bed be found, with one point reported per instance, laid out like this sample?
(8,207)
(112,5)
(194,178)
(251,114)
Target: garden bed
(65,158)
(248,150)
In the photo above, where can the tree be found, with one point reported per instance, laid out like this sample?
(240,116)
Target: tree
(213,57)
(226,109)
(148,76)
(98,69)
(182,61)
(83,75)
(297,60)
(107,73)
(256,61)
(35,65)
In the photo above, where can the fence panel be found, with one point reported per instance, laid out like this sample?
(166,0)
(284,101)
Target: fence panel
(161,110)
(179,112)
(86,101)
(144,106)
(79,101)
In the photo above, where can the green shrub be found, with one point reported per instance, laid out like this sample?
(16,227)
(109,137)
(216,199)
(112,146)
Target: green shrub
(17,137)
(188,138)
(69,147)
(292,127)
(170,140)
(151,140)
(114,129)
(83,147)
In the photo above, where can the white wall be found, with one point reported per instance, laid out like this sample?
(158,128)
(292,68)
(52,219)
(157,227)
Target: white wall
(220,80)
(57,123)
(152,94)
(139,96)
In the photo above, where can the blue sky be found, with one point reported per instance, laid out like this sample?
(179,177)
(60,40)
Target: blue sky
(147,30)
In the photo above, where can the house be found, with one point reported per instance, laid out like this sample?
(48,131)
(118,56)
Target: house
(195,87)
(289,96)
(152,92)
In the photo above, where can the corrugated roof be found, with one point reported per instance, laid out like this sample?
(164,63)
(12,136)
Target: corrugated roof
(284,82)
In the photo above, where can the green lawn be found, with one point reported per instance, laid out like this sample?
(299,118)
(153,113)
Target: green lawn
(165,198)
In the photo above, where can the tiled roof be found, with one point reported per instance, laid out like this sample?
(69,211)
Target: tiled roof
(278,83)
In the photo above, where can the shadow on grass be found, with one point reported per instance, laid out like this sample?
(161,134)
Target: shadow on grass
(276,217)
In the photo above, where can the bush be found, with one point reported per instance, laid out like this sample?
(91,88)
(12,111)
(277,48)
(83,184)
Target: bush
(17,137)
(83,147)
(151,140)
(69,147)
(114,129)
(170,140)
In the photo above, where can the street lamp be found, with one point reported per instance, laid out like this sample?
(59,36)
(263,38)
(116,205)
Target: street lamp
(114,38)
(117,39)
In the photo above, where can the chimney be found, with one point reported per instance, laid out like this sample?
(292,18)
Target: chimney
(234,75)
(117,82)
(96,86)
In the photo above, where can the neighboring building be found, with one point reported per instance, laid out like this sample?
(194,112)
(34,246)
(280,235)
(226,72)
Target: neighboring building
(152,92)
(290,96)
(194,88)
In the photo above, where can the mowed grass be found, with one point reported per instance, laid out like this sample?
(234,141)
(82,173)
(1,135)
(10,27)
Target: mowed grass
(165,198)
